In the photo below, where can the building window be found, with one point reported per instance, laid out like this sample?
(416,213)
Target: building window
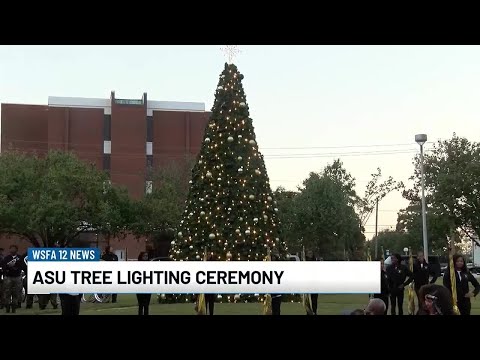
(106,163)
(107,127)
(148,187)
(107,147)
(150,129)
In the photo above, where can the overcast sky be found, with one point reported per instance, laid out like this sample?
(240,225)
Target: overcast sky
(363,104)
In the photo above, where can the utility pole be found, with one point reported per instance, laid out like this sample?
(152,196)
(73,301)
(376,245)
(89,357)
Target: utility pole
(421,139)
(376,230)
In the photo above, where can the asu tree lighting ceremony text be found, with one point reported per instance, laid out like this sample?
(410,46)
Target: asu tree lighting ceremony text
(81,271)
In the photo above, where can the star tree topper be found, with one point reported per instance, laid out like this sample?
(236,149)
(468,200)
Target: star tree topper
(230,52)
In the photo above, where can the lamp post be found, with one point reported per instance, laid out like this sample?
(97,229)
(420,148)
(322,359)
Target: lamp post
(421,139)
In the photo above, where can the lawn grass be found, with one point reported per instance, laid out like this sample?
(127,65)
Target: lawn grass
(127,305)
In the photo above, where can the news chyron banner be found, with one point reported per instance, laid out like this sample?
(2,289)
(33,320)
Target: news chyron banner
(81,271)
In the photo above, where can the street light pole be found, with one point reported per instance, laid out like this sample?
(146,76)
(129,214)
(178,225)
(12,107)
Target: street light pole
(421,139)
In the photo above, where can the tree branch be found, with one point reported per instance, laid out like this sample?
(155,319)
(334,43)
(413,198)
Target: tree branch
(469,236)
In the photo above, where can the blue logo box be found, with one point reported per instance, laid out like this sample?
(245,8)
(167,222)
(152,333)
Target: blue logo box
(57,254)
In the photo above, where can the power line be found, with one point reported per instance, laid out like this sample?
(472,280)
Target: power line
(339,147)
(321,155)
(100,144)
(183,155)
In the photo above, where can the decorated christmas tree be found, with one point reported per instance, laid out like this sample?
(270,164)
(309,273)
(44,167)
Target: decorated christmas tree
(230,210)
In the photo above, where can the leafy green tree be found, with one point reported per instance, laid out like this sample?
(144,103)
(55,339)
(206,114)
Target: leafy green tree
(230,206)
(115,213)
(409,221)
(325,218)
(287,215)
(51,200)
(343,179)
(394,241)
(452,188)
(159,212)
(346,209)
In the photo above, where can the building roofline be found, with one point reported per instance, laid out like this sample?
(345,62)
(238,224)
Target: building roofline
(79,102)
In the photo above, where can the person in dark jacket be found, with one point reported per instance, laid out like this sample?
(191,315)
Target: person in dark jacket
(435,300)
(310,256)
(28,297)
(110,256)
(143,299)
(210,298)
(462,277)
(421,274)
(12,265)
(384,286)
(276,298)
(399,276)
(44,299)
(70,304)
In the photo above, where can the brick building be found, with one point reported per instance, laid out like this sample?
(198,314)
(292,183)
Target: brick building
(124,137)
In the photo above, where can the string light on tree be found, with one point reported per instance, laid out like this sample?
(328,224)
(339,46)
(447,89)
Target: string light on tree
(228,209)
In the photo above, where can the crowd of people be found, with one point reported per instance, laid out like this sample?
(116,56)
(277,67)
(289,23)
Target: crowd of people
(13,279)
(432,299)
